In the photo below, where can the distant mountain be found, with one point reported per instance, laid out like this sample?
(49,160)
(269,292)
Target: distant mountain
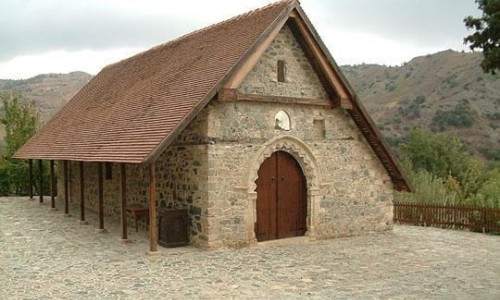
(49,91)
(444,92)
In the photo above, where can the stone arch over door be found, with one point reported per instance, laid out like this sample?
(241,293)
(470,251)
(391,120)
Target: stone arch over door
(304,157)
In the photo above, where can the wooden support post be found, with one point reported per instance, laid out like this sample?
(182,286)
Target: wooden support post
(30,178)
(40,180)
(82,194)
(66,187)
(52,187)
(101,198)
(123,175)
(153,235)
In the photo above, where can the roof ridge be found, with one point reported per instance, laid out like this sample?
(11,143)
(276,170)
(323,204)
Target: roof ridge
(232,19)
(206,28)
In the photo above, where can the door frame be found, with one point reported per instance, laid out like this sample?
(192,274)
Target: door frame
(307,162)
(281,212)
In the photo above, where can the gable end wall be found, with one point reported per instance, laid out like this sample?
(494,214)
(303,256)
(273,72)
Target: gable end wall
(349,192)
(211,167)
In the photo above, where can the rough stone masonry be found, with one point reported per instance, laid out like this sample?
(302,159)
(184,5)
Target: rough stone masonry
(212,166)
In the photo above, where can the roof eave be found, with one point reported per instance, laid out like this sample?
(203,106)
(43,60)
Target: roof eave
(401,182)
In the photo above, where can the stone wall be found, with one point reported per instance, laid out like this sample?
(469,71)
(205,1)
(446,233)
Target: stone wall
(211,168)
(181,181)
(349,191)
(300,81)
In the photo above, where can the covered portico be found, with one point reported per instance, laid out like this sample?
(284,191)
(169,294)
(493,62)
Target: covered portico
(66,195)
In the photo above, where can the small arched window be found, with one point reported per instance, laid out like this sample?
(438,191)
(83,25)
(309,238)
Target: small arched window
(282,120)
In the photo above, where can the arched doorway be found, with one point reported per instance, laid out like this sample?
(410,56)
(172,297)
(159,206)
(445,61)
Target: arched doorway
(281,198)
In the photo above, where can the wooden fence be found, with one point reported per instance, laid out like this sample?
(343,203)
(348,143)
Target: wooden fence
(473,218)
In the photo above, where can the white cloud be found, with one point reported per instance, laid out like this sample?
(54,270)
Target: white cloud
(356,48)
(42,36)
(89,61)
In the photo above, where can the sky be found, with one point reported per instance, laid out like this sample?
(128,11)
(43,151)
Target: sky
(61,36)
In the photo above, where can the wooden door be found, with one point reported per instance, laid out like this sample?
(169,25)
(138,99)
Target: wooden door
(281,198)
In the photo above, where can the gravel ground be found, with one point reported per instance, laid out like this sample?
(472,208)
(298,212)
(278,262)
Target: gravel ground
(44,255)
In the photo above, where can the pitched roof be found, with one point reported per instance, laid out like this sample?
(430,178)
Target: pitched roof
(133,109)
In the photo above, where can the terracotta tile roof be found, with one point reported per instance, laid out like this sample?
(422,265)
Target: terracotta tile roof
(131,107)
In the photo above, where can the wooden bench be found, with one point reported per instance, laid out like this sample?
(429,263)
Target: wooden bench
(136,212)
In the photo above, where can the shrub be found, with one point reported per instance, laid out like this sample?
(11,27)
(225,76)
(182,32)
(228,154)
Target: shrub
(443,172)
(429,188)
(413,109)
(462,116)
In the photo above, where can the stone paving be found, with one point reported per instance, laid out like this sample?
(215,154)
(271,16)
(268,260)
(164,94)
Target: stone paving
(44,255)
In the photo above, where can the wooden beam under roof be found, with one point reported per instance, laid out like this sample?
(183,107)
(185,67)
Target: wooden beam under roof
(153,232)
(101,197)
(66,187)
(40,181)
(123,208)
(30,178)
(82,193)
(52,187)
(227,95)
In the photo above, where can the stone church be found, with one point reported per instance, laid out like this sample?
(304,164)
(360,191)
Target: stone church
(248,126)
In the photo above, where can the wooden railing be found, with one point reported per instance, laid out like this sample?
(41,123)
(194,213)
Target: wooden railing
(473,218)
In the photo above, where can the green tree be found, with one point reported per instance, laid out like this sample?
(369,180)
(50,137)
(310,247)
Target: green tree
(438,154)
(489,192)
(487,34)
(443,172)
(428,188)
(21,120)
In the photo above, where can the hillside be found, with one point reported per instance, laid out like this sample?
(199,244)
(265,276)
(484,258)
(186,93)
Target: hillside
(49,91)
(445,92)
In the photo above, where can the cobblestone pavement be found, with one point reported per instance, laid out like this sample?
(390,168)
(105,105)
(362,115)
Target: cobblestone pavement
(44,255)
